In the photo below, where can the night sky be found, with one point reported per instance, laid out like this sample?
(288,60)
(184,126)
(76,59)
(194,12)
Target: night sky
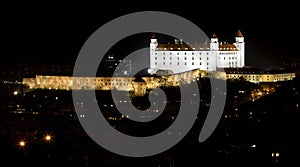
(52,33)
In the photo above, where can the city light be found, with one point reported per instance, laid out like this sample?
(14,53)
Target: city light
(16,93)
(22,143)
(275,154)
(48,138)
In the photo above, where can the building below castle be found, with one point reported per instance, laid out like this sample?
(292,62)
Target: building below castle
(150,82)
(257,76)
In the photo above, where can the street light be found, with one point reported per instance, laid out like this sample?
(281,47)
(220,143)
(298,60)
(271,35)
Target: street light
(16,93)
(48,138)
(22,143)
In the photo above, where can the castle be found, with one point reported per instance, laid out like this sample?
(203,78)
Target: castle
(181,57)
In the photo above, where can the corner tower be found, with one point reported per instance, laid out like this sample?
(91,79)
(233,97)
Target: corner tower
(214,44)
(153,58)
(240,44)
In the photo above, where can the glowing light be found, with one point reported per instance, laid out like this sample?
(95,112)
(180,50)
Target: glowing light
(48,138)
(15,93)
(22,143)
(253,146)
(275,154)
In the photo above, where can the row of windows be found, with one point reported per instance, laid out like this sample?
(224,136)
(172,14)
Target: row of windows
(185,58)
(227,53)
(229,58)
(115,84)
(246,76)
(184,48)
(185,53)
(185,63)
(107,80)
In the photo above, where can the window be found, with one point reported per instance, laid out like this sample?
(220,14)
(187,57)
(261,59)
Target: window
(200,63)
(164,53)
(207,58)
(184,53)
(192,53)
(155,63)
(184,63)
(170,63)
(192,63)
(170,53)
(170,58)
(177,58)
(207,63)
(184,58)
(164,58)
(155,58)
(200,58)
(177,53)
(192,58)
(164,63)
(224,58)
(177,63)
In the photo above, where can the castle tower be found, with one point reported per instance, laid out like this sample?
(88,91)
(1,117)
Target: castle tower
(240,44)
(153,43)
(153,46)
(214,44)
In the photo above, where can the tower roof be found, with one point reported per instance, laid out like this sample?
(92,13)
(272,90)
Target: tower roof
(214,35)
(239,33)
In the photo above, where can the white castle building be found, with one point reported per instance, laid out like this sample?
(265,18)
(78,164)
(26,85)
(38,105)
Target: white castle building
(180,57)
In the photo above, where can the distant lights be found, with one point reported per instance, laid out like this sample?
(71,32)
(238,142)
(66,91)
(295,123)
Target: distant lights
(275,154)
(48,138)
(16,93)
(22,143)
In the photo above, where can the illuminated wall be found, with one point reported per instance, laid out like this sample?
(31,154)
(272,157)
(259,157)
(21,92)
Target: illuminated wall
(256,78)
(127,84)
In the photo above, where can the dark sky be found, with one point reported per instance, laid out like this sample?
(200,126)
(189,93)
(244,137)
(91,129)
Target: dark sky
(55,33)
